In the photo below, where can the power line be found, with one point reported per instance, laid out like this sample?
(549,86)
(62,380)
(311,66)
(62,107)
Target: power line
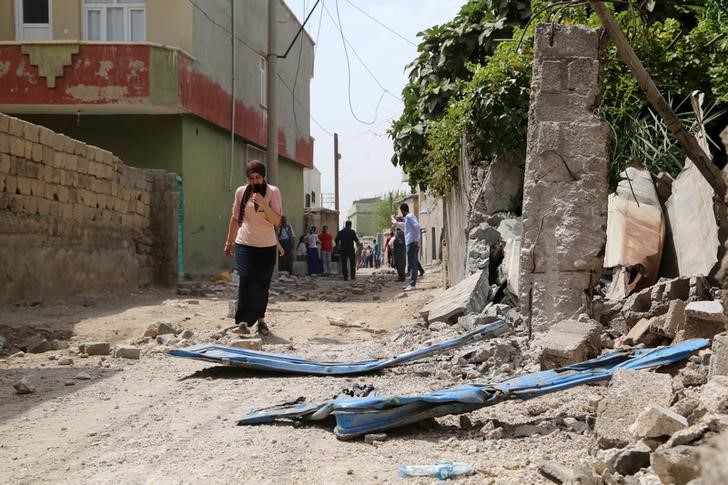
(308,111)
(382,24)
(224,29)
(339,25)
(358,162)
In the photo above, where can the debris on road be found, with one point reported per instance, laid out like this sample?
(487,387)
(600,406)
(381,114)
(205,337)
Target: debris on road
(356,417)
(441,470)
(290,364)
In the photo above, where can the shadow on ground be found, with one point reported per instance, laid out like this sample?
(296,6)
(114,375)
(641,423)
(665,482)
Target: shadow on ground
(50,383)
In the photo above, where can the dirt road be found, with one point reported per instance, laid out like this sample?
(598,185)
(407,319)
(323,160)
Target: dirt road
(168,420)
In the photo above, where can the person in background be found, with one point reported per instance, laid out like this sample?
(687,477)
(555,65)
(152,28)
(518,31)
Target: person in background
(399,253)
(286,240)
(252,240)
(302,250)
(376,254)
(412,241)
(346,239)
(388,248)
(327,247)
(313,243)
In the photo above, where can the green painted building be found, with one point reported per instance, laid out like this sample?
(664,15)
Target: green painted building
(361,215)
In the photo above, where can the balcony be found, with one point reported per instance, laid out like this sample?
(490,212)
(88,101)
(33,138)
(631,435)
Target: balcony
(95,78)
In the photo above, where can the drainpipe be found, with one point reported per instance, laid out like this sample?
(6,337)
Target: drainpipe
(232,96)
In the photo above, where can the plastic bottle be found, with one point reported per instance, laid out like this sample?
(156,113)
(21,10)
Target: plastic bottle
(442,470)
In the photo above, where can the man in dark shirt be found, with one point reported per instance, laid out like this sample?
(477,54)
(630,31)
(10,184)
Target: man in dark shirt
(345,239)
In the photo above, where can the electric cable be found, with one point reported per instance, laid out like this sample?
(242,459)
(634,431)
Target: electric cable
(223,28)
(382,24)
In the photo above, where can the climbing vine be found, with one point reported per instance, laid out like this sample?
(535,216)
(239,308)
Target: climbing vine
(472,80)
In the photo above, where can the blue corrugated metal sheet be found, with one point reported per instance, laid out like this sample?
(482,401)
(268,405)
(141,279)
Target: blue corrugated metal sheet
(355,417)
(265,361)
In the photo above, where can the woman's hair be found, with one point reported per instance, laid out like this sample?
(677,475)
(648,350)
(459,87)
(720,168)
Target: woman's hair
(253,166)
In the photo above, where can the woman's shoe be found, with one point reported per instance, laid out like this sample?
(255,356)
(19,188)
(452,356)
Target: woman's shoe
(263,328)
(243,328)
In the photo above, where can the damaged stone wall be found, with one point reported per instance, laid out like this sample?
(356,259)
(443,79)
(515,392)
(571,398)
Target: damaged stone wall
(76,220)
(566,179)
(492,188)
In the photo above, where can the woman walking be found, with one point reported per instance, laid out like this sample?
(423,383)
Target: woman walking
(252,240)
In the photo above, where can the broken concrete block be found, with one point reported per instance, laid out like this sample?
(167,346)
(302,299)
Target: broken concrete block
(168,339)
(668,323)
(248,343)
(714,396)
(632,459)
(59,344)
(468,296)
(23,386)
(703,319)
(719,358)
(159,328)
(639,334)
(676,465)
(95,348)
(714,466)
(569,342)
(36,345)
(127,352)
(656,421)
(655,300)
(630,392)
(474,320)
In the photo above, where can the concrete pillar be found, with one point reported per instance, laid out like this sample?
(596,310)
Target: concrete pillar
(566,180)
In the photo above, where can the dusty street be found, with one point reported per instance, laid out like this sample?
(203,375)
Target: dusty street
(169,420)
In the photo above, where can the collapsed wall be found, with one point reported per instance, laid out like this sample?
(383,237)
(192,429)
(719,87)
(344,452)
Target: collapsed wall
(74,219)
(566,179)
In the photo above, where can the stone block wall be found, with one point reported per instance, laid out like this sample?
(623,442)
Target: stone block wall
(75,220)
(566,178)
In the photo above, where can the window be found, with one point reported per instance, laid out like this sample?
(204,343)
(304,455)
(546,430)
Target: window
(115,20)
(33,19)
(307,204)
(313,197)
(263,82)
(35,11)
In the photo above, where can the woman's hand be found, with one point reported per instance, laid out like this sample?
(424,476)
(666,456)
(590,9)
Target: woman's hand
(281,251)
(228,249)
(260,200)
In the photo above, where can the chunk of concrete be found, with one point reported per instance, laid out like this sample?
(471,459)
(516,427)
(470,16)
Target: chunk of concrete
(719,358)
(630,392)
(127,352)
(632,459)
(36,345)
(655,300)
(569,342)
(23,386)
(703,319)
(656,421)
(714,466)
(248,343)
(95,348)
(159,328)
(468,296)
(676,465)
(714,396)
(668,324)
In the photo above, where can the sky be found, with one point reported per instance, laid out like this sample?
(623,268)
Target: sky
(365,168)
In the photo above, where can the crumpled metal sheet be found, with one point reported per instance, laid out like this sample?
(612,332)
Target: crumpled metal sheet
(356,417)
(265,361)
(635,233)
(692,213)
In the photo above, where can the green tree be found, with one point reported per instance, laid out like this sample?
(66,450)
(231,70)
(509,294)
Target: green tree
(385,208)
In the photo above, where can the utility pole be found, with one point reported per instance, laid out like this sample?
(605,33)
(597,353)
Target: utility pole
(271,84)
(337,156)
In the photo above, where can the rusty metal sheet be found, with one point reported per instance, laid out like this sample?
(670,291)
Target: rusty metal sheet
(635,233)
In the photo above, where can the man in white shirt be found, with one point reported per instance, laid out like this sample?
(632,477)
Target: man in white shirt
(412,242)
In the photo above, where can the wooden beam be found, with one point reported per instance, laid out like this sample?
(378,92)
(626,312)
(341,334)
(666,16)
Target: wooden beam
(687,141)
